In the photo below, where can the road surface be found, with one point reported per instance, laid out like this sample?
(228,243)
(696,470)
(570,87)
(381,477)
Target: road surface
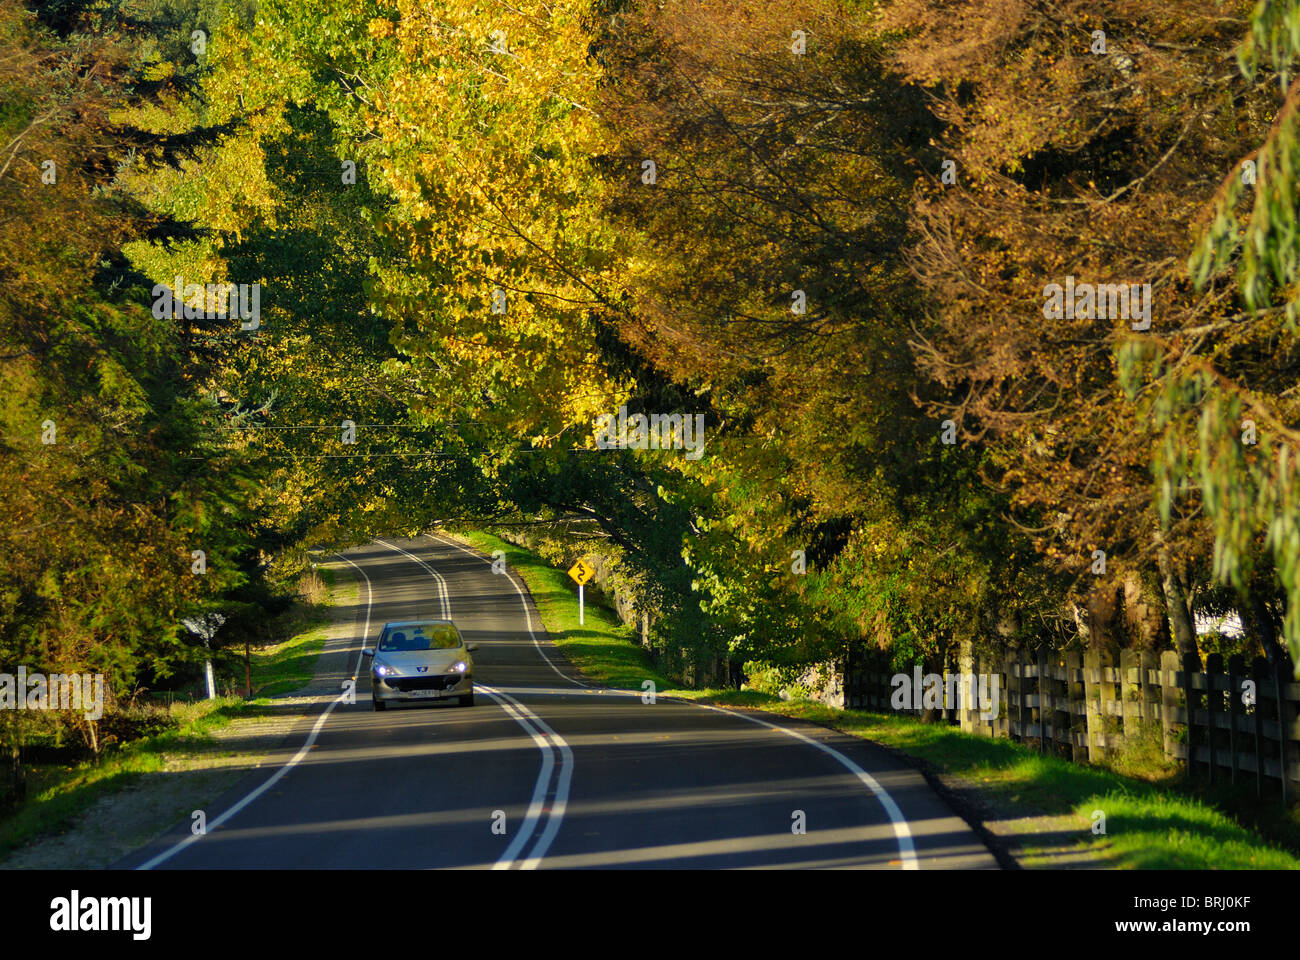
(548,771)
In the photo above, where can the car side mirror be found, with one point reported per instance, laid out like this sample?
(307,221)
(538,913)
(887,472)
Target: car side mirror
(471,647)
(367,651)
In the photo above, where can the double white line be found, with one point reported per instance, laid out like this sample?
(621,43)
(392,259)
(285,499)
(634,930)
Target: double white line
(547,741)
(550,743)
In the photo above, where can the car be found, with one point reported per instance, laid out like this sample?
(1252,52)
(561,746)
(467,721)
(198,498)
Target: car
(421,661)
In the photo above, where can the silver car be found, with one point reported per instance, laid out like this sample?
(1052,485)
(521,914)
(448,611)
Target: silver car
(421,660)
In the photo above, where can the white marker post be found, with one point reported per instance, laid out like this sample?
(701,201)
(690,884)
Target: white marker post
(580,612)
(206,626)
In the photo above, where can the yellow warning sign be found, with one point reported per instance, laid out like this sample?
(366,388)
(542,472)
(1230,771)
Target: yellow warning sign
(581,572)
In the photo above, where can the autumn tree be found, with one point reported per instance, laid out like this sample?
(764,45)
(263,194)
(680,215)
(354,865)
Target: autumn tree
(102,511)
(1080,143)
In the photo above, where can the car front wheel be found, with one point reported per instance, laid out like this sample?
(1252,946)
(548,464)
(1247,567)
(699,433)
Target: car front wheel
(467,700)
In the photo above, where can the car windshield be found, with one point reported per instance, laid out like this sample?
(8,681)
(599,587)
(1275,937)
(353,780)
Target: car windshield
(433,636)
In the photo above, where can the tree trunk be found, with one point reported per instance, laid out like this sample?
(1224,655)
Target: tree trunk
(1142,614)
(930,663)
(16,786)
(1180,618)
(1266,629)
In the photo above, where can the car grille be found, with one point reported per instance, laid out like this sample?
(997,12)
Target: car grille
(445,682)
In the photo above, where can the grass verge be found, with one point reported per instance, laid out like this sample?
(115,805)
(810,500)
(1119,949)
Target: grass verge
(57,795)
(287,666)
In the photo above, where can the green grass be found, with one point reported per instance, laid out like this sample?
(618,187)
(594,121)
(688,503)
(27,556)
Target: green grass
(285,667)
(1148,826)
(341,594)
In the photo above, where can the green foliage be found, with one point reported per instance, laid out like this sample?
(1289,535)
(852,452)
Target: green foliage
(105,492)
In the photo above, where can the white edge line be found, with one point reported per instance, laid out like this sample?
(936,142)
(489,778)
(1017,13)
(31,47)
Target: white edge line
(365,632)
(276,777)
(902,831)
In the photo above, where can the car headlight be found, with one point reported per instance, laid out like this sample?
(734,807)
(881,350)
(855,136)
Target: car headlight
(460,666)
(384,670)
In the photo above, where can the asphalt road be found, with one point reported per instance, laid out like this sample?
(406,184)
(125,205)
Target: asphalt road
(546,771)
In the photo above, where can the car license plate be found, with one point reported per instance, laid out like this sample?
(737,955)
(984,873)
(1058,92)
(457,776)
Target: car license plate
(426,693)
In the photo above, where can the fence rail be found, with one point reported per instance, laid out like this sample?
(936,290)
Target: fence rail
(1224,720)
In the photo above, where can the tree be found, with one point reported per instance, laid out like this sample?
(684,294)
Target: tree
(101,512)
(1081,136)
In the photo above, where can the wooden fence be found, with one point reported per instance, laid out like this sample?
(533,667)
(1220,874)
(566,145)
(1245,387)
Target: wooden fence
(1226,722)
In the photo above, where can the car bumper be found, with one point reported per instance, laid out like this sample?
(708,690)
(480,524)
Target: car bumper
(452,686)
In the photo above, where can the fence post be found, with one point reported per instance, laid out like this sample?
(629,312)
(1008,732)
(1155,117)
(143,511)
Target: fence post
(1020,693)
(1168,697)
(965,668)
(1282,666)
(1191,667)
(1111,680)
(946,712)
(1074,695)
(1000,719)
(1044,696)
(1235,667)
(1213,707)
(1148,663)
(982,667)
(1259,672)
(1130,691)
(1092,704)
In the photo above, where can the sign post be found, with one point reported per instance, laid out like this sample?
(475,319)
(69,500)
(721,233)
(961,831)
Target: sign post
(581,572)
